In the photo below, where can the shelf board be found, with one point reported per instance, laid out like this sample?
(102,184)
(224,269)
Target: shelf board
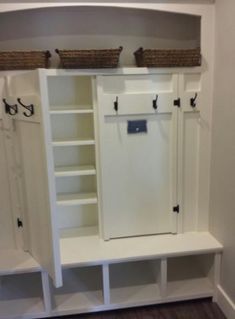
(200,287)
(71,109)
(73,142)
(99,251)
(84,170)
(76,199)
(17,262)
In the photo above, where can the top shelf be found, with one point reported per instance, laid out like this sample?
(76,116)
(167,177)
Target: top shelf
(121,71)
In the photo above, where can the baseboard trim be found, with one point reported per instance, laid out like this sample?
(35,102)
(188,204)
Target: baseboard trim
(225,303)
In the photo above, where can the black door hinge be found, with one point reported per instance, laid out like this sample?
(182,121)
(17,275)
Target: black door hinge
(176,209)
(177,102)
(19,223)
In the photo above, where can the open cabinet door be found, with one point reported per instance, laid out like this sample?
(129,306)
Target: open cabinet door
(32,136)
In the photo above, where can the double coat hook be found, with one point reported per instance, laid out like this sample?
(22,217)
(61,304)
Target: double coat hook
(155,105)
(29,108)
(193,102)
(9,108)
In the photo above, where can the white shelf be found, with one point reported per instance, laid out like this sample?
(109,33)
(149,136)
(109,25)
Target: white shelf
(76,199)
(133,284)
(21,296)
(81,291)
(99,251)
(84,170)
(190,277)
(16,262)
(73,142)
(190,289)
(71,109)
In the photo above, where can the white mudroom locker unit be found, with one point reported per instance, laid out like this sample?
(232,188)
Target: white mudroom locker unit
(105,180)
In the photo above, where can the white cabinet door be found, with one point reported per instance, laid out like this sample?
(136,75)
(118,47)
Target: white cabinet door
(138,164)
(32,136)
(190,127)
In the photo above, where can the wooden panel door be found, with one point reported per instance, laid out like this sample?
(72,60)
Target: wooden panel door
(138,169)
(33,145)
(189,130)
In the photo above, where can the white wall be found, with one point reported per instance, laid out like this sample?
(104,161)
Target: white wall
(84,27)
(222,204)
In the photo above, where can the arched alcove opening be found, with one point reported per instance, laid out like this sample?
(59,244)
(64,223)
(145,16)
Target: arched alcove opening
(97,27)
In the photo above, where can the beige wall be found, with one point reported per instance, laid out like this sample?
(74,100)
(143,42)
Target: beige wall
(83,27)
(222,203)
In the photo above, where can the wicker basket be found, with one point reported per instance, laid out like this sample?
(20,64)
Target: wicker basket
(88,59)
(168,58)
(24,60)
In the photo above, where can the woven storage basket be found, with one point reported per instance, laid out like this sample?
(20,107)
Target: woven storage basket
(168,58)
(24,60)
(86,59)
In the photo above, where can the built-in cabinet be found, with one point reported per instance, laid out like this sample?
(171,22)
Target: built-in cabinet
(95,159)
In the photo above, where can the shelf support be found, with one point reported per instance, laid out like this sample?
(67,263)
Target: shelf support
(106,284)
(217,268)
(163,279)
(46,292)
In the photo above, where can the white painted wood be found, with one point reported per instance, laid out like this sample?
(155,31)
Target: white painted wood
(226,303)
(65,171)
(82,290)
(163,278)
(143,166)
(76,216)
(32,138)
(189,129)
(46,292)
(217,274)
(186,277)
(76,199)
(106,284)
(72,109)
(136,248)
(132,283)
(73,142)
(17,261)
(21,296)
(7,236)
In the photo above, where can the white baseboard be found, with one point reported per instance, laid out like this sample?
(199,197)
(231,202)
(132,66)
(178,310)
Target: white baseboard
(225,303)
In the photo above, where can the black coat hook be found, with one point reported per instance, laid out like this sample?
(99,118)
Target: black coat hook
(193,101)
(30,108)
(155,106)
(10,109)
(116,104)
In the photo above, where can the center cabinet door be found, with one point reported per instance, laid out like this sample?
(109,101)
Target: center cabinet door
(138,145)
(33,145)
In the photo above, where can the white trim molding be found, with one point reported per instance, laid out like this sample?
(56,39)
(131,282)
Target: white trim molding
(225,303)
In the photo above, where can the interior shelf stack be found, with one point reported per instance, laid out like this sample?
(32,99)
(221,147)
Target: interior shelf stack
(73,142)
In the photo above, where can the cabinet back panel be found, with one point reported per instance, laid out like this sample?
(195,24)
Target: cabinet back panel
(74,155)
(138,84)
(72,126)
(75,184)
(74,90)
(77,216)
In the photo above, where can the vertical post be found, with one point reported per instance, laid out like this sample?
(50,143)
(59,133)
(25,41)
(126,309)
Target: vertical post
(106,284)
(217,267)
(163,281)
(46,292)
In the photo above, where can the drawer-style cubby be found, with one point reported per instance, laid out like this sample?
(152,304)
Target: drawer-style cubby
(190,276)
(21,295)
(82,290)
(135,282)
